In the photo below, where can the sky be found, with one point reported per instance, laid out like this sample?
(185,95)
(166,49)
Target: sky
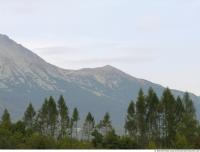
(154,40)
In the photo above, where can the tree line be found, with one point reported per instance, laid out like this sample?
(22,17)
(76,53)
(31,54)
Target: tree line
(151,122)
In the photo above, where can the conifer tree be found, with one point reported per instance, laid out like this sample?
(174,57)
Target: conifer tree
(105,125)
(42,118)
(47,117)
(141,117)
(189,124)
(71,128)
(179,110)
(160,123)
(63,116)
(75,118)
(131,124)
(110,140)
(29,116)
(88,126)
(152,105)
(5,120)
(97,138)
(52,116)
(169,110)
(188,104)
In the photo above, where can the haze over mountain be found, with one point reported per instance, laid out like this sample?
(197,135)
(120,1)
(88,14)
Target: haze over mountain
(25,77)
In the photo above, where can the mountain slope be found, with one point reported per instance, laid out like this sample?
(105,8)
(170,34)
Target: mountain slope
(25,77)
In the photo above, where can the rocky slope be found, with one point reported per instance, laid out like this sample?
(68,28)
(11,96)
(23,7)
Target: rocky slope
(25,77)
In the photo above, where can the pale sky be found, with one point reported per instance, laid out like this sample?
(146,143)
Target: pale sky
(156,40)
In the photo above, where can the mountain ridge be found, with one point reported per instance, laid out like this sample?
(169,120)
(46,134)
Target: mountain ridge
(25,77)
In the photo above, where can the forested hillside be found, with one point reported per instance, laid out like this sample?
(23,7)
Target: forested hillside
(151,122)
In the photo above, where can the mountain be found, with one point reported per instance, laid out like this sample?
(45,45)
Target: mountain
(25,77)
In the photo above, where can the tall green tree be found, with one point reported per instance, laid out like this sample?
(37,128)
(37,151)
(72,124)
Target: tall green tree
(141,117)
(179,110)
(52,116)
(131,123)
(88,126)
(47,118)
(42,118)
(160,124)
(71,128)
(110,140)
(189,124)
(169,110)
(5,120)
(75,118)
(97,139)
(152,116)
(105,125)
(63,116)
(29,116)
(6,139)
(189,106)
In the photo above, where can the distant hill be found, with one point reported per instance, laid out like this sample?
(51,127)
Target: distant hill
(25,77)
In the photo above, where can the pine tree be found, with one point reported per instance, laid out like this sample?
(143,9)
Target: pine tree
(88,126)
(169,110)
(29,116)
(131,124)
(97,139)
(5,120)
(179,110)
(152,118)
(141,117)
(71,128)
(42,118)
(75,118)
(63,116)
(47,118)
(188,104)
(189,124)
(105,125)
(52,116)
(160,124)
(110,140)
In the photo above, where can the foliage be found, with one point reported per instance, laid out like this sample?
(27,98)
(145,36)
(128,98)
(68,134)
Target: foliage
(63,117)
(75,119)
(88,126)
(29,116)
(38,141)
(105,125)
(131,124)
(150,123)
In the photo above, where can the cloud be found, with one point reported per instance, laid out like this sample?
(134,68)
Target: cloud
(56,50)
(97,54)
(123,60)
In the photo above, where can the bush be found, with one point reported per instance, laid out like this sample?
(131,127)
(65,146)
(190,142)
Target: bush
(127,143)
(6,139)
(67,143)
(37,141)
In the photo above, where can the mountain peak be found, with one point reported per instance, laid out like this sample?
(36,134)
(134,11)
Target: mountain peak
(4,39)
(102,68)
(4,36)
(19,65)
(108,67)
